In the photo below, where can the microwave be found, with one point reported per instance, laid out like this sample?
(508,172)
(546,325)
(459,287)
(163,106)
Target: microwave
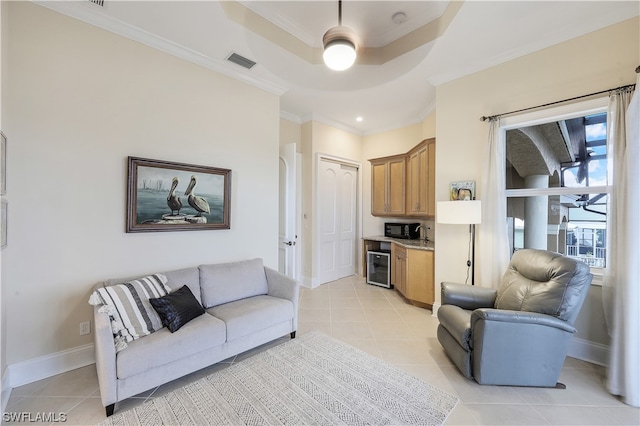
(407,231)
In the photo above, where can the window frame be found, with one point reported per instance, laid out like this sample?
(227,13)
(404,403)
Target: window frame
(563,112)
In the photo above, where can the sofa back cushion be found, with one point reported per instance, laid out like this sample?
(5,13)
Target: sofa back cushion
(226,282)
(544,282)
(189,277)
(175,279)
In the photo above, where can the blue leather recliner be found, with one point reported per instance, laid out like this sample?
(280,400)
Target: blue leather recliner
(518,335)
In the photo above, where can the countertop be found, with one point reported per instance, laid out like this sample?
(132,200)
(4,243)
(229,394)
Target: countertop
(410,244)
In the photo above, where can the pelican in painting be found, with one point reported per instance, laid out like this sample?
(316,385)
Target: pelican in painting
(198,203)
(173,201)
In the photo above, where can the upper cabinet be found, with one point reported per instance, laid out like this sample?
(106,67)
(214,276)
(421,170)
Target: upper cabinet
(404,185)
(387,186)
(421,179)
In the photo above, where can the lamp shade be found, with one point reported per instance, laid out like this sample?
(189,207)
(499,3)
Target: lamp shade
(459,212)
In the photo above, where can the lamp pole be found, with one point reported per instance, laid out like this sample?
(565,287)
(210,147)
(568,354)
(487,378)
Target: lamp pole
(473,253)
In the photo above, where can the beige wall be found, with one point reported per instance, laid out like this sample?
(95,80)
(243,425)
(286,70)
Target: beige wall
(290,132)
(597,61)
(77,101)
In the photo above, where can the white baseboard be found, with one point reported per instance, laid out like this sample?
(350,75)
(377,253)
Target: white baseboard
(595,353)
(22,373)
(434,309)
(6,389)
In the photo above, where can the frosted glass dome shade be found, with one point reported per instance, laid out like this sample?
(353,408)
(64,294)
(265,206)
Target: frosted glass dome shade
(339,48)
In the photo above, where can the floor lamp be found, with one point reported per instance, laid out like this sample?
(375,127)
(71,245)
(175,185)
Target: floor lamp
(462,213)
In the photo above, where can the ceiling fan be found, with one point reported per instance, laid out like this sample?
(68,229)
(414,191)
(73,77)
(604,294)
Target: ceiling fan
(340,45)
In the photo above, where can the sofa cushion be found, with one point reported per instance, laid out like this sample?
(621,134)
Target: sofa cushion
(128,307)
(247,316)
(163,347)
(188,276)
(177,308)
(227,282)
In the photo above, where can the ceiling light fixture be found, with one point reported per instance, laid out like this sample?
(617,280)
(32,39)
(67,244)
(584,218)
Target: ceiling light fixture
(340,45)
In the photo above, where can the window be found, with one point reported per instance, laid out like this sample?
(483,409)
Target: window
(556,181)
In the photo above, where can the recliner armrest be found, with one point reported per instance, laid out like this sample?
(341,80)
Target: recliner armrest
(466,296)
(519,317)
(457,322)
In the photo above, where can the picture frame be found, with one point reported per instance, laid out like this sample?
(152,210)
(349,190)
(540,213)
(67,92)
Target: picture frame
(4,207)
(3,164)
(463,190)
(168,196)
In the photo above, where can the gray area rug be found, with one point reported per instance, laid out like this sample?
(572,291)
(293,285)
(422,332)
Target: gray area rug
(311,380)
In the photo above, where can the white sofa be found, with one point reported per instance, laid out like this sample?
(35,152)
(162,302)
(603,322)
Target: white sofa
(246,305)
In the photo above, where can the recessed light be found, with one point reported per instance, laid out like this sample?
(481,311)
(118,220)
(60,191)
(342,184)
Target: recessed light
(359,119)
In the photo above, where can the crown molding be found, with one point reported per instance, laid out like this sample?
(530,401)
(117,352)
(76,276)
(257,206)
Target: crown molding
(92,16)
(285,115)
(280,21)
(428,110)
(543,41)
(333,123)
(394,127)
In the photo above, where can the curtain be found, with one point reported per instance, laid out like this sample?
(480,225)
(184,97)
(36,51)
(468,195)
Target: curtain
(621,290)
(493,245)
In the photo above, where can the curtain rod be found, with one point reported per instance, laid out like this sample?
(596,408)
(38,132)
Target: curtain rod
(493,117)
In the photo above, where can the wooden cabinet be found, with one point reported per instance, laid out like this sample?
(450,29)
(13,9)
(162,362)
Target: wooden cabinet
(388,186)
(412,274)
(399,268)
(404,185)
(421,179)
(419,281)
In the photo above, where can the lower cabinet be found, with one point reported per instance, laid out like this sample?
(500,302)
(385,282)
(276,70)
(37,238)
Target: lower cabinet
(399,268)
(412,274)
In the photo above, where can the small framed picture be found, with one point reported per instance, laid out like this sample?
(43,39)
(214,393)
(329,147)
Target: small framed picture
(464,190)
(3,164)
(3,223)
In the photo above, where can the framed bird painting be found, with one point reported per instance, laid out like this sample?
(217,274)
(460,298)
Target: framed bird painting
(167,196)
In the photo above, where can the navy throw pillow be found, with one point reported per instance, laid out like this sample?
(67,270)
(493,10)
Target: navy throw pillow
(177,308)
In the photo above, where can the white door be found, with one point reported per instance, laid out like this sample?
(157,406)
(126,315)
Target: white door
(337,201)
(287,223)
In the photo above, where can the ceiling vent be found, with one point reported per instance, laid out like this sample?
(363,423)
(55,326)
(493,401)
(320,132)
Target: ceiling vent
(97,2)
(241,60)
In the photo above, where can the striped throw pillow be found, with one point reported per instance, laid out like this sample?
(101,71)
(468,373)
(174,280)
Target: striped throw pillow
(128,306)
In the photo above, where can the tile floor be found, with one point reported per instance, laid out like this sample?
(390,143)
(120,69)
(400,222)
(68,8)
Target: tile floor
(382,323)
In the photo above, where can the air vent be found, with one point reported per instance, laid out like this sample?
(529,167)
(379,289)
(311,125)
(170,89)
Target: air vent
(97,2)
(241,60)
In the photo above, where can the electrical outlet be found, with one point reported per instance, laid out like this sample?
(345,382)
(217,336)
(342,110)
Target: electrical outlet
(85,328)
